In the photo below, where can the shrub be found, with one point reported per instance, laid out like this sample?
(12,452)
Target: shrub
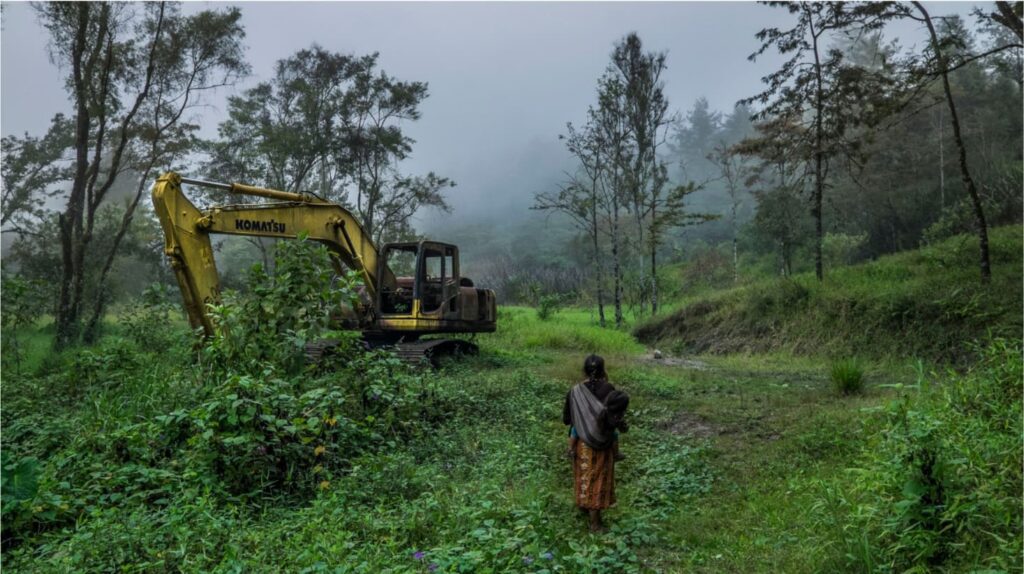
(271,322)
(847,377)
(145,320)
(938,486)
(261,436)
(18,486)
(23,302)
(549,305)
(842,249)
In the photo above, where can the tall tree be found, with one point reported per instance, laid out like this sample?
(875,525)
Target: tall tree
(116,55)
(386,199)
(288,133)
(695,138)
(331,122)
(815,79)
(937,63)
(580,197)
(647,118)
(735,172)
(613,136)
(198,54)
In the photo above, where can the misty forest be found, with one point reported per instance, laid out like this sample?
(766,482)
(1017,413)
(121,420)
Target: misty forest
(317,297)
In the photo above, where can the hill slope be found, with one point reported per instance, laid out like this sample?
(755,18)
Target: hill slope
(927,302)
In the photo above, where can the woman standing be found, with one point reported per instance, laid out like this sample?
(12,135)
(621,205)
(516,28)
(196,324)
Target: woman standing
(592,455)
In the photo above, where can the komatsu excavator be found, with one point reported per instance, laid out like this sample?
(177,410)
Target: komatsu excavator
(395,311)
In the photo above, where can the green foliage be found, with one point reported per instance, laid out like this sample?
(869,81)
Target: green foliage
(939,484)
(31,166)
(317,101)
(272,321)
(265,437)
(19,483)
(146,319)
(840,249)
(154,463)
(957,219)
(548,305)
(847,377)
(23,302)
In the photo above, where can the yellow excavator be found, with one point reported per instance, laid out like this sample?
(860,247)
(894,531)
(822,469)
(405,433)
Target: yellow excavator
(394,310)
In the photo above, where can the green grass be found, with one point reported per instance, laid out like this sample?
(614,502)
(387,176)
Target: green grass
(847,377)
(726,468)
(749,464)
(928,303)
(575,330)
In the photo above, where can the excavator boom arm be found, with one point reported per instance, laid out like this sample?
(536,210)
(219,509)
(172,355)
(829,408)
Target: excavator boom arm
(187,231)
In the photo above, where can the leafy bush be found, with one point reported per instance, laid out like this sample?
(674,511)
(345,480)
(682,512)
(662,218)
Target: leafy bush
(280,313)
(847,377)
(548,305)
(146,320)
(23,303)
(940,483)
(259,436)
(957,219)
(842,249)
(19,483)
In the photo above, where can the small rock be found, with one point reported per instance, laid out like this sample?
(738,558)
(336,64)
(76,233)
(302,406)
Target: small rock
(657,354)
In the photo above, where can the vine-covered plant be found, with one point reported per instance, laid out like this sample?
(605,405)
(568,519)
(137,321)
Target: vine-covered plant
(270,324)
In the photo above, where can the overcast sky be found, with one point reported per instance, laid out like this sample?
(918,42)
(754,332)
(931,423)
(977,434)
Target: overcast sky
(504,77)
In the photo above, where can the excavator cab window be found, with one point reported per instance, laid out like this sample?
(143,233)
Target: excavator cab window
(432,280)
(397,298)
(451,284)
(428,271)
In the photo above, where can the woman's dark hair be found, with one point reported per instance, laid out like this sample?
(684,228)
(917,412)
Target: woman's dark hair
(593,368)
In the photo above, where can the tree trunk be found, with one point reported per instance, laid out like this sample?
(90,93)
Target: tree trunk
(71,219)
(819,160)
(654,260)
(942,167)
(654,279)
(965,174)
(735,247)
(616,265)
(597,267)
(92,326)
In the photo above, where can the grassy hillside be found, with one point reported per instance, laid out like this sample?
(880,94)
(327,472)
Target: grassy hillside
(927,303)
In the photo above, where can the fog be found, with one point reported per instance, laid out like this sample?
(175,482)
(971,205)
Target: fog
(504,77)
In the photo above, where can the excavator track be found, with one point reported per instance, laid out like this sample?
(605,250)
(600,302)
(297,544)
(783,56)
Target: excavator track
(432,350)
(417,353)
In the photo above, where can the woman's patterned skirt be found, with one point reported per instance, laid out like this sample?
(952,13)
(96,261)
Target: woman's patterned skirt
(595,477)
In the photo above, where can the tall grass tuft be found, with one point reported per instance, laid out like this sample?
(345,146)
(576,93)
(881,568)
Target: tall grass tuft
(847,377)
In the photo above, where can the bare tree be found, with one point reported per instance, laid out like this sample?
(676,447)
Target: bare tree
(734,172)
(579,198)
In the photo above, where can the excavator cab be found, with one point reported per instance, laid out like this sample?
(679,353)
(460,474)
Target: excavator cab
(427,285)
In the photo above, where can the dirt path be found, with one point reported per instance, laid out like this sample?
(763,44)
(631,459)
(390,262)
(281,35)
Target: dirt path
(657,357)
